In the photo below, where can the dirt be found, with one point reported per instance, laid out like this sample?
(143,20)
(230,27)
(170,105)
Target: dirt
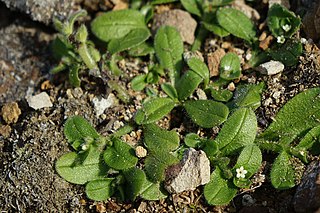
(30,146)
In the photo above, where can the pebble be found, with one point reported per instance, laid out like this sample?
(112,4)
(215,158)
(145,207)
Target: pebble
(141,152)
(10,112)
(191,172)
(271,67)
(179,19)
(39,101)
(101,104)
(307,196)
(5,130)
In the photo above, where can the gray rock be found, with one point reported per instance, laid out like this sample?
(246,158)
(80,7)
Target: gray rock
(41,10)
(271,67)
(179,19)
(307,196)
(191,172)
(39,101)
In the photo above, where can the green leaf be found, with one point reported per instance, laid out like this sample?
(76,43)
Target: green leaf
(282,173)
(192,140)
(156,163)
(250,158)
(120,155)
(170,91)
(187,84)
(247,95)
(230,67)
(157,139)
(154,110)
(162,1)
(206,113)
(168,46)
(142,49)
(192,6)
(217,3)
(309,140)
(130,40)
(76,129)
(138,83)
(152,191)
(223,95)
(237,23)
(210,147)
(117,24)
(210,22)
(60,47)
(134,180)
(100,190)
(219,191)
(74,75)
(238,131)
(279,18)
(288,53)
(297,116)
(200,68)
(81,168)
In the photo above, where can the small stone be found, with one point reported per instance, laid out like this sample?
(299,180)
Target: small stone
(39,101)
(247,200)
(201,94)
(179,19)
(10,112)
(5,130)
(213,60)
(231,87)
(101,104)
(306,198)
(271,67)
(141,152)
(265,43)
(191,172)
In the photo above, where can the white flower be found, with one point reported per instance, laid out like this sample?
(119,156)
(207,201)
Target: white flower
(286,27)
(227,68)
(281,39)
(241,172)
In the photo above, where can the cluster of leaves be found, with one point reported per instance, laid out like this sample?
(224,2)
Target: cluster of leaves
(108,166)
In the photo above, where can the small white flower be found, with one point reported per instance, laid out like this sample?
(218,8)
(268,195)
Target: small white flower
(227,68)
(286,27)
(241,172)
(281,39)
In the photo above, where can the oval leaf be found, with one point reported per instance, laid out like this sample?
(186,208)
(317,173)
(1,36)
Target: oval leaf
(237,23)
(170,91)
(138,83)
(132,39)
(152,191)
(120,155)
(192,140)
(100,190)
(200,68)
(134,180)
(187,84)
(206,113)
(219,191)
(157,139)
(192,6)
(288,53)
(238,131)
(79,170)
(282,173)
(76,129)
(168,46)
(230,67)
(154,110)
(116,24)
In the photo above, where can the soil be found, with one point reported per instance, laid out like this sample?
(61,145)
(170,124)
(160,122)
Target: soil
(30,146)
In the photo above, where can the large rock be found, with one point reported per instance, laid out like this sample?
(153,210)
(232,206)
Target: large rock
(41,10)
(307,196)
(179,19)
(191,172)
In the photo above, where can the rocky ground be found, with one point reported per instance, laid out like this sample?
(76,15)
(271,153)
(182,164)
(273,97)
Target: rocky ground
(31,128)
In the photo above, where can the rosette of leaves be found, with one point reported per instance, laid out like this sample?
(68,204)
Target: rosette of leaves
(296,123)
(73,49)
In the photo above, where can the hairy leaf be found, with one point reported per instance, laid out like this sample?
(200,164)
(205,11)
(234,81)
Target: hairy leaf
(238,131)
(282,173)
(187,84)
(142,49)
(117,24)
(237,23)
(152,191)
(170,91)
(230,67)
(120,155)
(100,190)
(288,53)
(200,68)
(138,83)
(153,110)
(134,180)
(156,138)
(206,113)
(192,6)
(219,191)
